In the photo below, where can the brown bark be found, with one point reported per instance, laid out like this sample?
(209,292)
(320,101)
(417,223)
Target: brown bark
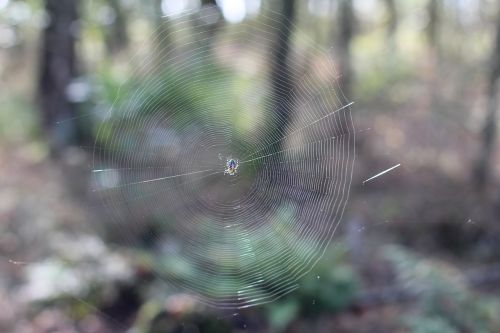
(346,20)
(58,67)
(281,73)
(392,23)
(210,21)
(117,37)
(162,30)
(489,132)
(434,21)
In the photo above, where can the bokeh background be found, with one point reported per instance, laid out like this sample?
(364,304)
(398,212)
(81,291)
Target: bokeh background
(418,248)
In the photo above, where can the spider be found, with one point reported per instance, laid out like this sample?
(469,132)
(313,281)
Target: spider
(231,167)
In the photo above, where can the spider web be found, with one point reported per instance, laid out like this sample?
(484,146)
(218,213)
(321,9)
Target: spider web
(232,241)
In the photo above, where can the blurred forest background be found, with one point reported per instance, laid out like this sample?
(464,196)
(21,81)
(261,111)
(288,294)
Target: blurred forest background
(418,249)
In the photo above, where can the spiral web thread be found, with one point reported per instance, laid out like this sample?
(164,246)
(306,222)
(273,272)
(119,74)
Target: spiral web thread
(232,241)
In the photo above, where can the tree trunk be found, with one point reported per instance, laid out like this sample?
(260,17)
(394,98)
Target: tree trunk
(162,29)
(433,26)
(116,35)
(58,67)
(281,73)
(392,22)
(209,20)
(489,132)
(391,33)
(346,20)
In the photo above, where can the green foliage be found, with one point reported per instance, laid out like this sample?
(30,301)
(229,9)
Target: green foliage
(191,92)
(196,93)
(282,313)
(18,121)
(446,302)
(429,324)
(385,74)
(329,287)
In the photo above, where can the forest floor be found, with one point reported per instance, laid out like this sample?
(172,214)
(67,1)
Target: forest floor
(43,215)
